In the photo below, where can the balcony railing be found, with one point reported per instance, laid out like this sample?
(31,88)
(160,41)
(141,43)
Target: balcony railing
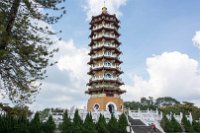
(104,25)
(106,78)
(104,35)
(103,78)
(107,86)
(112,66)
(104,44)
(105,55)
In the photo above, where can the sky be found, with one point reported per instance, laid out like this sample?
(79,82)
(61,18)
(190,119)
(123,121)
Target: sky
(160,45)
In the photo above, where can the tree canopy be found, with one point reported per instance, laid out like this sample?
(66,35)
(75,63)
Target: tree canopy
(89,125)
(66,125)
(25,37)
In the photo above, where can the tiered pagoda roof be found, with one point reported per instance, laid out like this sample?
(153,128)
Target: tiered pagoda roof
(104,55)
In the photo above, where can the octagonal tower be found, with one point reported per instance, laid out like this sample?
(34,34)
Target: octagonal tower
(104,84)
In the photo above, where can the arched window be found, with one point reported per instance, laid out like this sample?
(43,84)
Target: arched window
(108,75)
(96,107)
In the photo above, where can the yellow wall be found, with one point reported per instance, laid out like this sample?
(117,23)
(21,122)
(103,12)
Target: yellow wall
(102,101)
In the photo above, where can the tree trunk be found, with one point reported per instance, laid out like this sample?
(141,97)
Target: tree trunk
(9,24)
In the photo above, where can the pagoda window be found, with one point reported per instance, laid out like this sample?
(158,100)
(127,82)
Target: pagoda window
(107,64)
(108,75)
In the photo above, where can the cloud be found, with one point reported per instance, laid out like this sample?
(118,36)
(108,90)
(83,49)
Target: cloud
(67,80)
(196,39)
(170,74)
(72,59)
(93,7)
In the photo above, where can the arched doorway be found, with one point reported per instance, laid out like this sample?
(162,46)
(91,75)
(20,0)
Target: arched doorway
(111,108)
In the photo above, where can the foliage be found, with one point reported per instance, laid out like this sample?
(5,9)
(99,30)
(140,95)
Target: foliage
(66,125)
(122,123)
(175,125)
(20,124)
(44,113)
(166,101)
(16,110)
(171,105)
(102,125)
(170,125)
(196,126)
(113,125)
(35,124)
(49,126)
(24,42)
(184,108)
(89,125)
(135,105)
(77,123)
(166,124)
(10,124)
(186,124)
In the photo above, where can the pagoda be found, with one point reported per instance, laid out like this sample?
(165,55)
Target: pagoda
(104,84)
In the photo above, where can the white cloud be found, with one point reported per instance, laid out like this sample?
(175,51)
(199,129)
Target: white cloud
(67,80)
(196,39)
(93,7)
(170,74)
(72,59)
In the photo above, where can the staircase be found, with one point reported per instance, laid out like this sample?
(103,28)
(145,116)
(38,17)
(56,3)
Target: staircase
(139,127)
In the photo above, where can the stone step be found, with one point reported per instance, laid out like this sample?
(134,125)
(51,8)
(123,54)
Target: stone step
(135,121)
(139,127)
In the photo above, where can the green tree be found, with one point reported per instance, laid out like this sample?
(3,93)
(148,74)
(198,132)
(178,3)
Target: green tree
(77,123)
(23,125)
(102,125)
(35,124)
(66,125)
(166,124)
(49,126)
(24,42)
(196,126)
(166,101)
(7,124)
(13,124)
(122,123)
(113,126)
(175,125)
(89,125)
(186,124)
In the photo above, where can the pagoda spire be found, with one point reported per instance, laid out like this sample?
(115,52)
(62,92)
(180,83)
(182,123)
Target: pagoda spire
(104,9)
